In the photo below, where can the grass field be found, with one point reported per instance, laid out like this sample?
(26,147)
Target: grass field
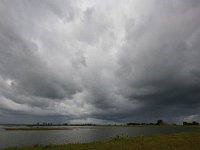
(178,141)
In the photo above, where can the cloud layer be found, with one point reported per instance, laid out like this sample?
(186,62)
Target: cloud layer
(99,61)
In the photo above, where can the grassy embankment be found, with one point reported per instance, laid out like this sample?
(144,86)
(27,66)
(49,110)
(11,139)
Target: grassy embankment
(178,141)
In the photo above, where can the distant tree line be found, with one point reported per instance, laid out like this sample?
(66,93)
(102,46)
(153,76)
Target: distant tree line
(190,123)
(133,123)
(64,124)
(84,124)
(159,122)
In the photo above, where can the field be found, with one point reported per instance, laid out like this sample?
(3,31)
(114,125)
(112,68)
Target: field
(178,141)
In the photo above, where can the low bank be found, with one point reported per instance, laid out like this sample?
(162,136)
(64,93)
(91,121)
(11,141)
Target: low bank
(178,141)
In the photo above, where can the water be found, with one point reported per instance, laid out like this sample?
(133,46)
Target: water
(78,134)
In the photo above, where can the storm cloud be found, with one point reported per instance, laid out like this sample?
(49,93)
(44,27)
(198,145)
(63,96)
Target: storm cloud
(99,61)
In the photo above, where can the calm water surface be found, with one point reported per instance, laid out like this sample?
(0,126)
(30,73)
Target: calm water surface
(78,134)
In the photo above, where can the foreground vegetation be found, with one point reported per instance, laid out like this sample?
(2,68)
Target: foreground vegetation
(178,141)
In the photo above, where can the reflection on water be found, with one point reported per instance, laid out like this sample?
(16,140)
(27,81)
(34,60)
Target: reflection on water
(78,134)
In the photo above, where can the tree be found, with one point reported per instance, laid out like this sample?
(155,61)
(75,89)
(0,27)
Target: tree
(160,122)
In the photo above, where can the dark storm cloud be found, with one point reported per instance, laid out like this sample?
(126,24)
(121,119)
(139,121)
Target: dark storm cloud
(160,60)
(26,77)
(92,61)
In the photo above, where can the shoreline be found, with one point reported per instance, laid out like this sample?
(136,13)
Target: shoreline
(35,129)
(178,141)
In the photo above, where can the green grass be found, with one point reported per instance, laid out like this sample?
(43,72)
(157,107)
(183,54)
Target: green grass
(178,141)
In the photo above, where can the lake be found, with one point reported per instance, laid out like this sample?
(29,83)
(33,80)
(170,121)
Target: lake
(79,134)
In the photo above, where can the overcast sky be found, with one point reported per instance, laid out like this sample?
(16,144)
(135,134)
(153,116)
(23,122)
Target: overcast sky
(99,61)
